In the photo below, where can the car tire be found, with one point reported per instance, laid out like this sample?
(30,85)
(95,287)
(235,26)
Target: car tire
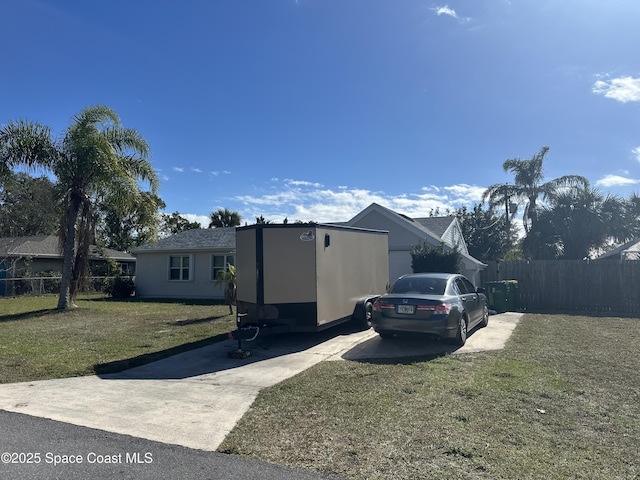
(485,317)
(368,314)
(361,318)
(385,335)
(461,335)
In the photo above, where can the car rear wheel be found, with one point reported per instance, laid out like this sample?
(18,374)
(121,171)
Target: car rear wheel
(461,335)
(485,317)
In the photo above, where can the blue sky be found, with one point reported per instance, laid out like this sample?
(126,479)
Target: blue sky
(313,109)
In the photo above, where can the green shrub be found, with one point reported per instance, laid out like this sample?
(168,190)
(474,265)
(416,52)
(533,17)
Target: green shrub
(425,258)
(119,287)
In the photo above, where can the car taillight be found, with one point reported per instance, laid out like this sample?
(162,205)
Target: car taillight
(441,308)
(377,305)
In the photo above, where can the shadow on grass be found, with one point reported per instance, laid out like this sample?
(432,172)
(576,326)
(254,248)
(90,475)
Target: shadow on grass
(30,315)
(173,301)
(197,321)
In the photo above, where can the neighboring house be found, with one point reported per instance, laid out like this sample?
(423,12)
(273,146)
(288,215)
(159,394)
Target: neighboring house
(28,256)
(185,265)
(628,251)
(405,232)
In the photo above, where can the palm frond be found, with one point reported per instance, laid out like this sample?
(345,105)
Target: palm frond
(27,143)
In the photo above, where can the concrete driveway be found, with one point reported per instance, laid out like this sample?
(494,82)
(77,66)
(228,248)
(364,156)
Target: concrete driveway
(194,399)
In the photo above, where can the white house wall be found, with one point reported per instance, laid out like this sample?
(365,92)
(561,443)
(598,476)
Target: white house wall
(399,264)
(152,276)
(401,240)
(453,236)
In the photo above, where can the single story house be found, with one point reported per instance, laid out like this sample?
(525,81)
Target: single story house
(22,257)
(185,265)
(406,232)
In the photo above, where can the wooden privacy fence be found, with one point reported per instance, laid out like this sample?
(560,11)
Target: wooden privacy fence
(572,285)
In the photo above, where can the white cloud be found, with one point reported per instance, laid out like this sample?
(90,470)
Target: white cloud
(326,205)
(178,169)
(616,181)
(302,183)
(622,89)
(636,153)
(215,174)
(161,175)
(196,170)
(203,220)
(466,193)
(446,10)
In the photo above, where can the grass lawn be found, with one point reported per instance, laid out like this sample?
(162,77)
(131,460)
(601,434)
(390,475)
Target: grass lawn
(561,401)
(101,335)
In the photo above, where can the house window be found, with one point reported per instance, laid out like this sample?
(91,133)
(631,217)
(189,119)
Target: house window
(179,267)
(219,264)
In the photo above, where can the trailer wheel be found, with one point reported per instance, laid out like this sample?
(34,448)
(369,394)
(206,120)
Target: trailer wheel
(362,315)
(368,314)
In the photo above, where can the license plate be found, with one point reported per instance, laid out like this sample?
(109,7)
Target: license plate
(408,309)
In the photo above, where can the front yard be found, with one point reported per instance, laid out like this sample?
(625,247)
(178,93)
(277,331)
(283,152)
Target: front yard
(101,335)
(561,401)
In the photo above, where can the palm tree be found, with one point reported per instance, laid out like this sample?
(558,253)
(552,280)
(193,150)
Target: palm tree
(529,185)
(499,195)
(224,217)
(96,161)
(577,222)
(227,277)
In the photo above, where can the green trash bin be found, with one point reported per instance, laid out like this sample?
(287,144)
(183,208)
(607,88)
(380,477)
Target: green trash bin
(497,296)
(512,295)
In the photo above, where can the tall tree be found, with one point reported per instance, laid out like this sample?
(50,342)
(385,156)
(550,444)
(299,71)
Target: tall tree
(126,228)
(96,159)
(578,222)
(529,185)
(224,217)
(27,206)
(176,223)
(488,235)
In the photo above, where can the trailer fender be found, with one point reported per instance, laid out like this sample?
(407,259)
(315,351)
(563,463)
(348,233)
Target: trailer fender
(362,312)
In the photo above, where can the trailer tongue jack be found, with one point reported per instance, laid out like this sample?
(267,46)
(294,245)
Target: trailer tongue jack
(239,334)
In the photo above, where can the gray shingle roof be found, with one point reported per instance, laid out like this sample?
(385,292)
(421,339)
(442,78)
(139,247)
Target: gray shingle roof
(437,225)
(46,246)
(197,239)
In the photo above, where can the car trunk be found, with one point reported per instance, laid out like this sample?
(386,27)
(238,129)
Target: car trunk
(412,307)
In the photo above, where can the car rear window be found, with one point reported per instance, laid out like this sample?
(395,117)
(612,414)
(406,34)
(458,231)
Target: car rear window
(423,286)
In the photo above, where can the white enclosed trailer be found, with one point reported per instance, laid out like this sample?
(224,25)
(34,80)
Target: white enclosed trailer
(308,277)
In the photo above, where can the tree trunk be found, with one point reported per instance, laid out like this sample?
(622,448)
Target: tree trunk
(64,299)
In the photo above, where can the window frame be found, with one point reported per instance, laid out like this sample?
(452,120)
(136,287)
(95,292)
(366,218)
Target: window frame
(180,268)
(213,270)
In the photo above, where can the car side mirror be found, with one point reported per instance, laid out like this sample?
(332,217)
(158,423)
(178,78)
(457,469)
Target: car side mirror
(480,290)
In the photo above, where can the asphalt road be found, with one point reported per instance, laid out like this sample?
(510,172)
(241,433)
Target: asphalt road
(50,446)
